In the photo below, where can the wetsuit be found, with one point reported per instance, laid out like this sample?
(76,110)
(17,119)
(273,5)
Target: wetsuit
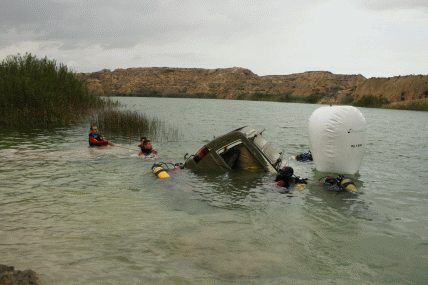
(285,177)
(146,151)
(285,181)
(95,140)
(304,157)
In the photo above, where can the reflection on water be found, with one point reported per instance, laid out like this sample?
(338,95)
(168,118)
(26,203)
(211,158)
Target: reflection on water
(80,215)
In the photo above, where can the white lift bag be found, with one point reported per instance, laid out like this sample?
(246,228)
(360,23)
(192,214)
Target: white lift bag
(337,139)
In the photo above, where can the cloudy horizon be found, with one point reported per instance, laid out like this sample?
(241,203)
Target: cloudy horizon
(373,38)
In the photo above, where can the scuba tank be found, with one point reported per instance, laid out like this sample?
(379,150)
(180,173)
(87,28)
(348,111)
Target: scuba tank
(339,183)
(159,171)
(348,185)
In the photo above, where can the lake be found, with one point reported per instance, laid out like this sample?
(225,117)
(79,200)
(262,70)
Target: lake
(81,215)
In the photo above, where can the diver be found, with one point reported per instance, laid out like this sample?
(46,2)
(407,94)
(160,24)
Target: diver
(147,148)
(307,156)
(142,141)
(339,184)
(286,178)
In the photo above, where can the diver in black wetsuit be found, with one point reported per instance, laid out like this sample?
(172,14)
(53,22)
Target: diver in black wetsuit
(147,148)
(286,178)
(307,156)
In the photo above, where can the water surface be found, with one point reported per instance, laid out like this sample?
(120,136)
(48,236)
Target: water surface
(80,215)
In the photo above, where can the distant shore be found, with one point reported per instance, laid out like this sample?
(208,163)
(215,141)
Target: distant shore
(401,92)
(365,101)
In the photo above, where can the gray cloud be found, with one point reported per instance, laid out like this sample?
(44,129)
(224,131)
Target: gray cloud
(395,4)
(79,23)
(268,37)
(114,24)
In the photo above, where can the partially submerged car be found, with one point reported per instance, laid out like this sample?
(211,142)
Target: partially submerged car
(244,148)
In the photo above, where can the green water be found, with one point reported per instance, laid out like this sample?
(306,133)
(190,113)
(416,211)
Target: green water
(80,215)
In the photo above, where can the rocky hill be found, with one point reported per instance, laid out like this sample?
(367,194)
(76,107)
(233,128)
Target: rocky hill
(395,89)
(230,82)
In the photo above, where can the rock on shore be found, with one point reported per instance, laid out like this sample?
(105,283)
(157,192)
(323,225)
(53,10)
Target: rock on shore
(10,276)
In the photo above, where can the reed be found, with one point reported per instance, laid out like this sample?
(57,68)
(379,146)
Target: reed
(39,93)
(117,123)
(121,122)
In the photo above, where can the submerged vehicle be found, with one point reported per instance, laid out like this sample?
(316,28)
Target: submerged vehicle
(244,148)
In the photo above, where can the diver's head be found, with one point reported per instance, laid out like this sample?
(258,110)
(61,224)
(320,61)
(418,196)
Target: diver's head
(286,171)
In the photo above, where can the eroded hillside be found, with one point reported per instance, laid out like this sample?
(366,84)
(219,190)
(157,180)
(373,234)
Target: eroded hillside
(231,82)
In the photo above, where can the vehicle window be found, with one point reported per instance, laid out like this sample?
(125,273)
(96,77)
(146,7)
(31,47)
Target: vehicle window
(260,141)
(229,146)
(230,156)
(230,153)
(267,149)
(237,156)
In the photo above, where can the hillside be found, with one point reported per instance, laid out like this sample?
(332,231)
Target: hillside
(230,82)
(395,89)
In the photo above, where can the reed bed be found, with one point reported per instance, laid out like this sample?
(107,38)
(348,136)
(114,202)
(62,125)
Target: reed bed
(117,123)
(39,93)
(121,122)
(42,94)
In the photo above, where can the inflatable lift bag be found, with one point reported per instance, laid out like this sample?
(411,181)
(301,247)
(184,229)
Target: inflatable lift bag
(337,139)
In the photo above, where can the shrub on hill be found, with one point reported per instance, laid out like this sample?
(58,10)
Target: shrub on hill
(313,98)
(347,100)
(157,93)
(370,101)
(284,97)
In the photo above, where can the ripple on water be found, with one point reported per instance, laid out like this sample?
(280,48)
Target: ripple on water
(98,215)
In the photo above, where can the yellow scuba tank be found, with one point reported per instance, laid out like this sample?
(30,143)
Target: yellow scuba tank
(298,188)
(348,185)
(300,185)
(253,168)
(159,171)
(339,183)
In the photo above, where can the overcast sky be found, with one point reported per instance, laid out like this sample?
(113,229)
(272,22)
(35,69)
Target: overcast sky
(375,38)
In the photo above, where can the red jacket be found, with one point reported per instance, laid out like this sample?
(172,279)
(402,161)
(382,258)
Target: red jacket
(96,140)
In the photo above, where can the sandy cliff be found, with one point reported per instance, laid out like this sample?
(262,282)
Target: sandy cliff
(230,82)
(395,89)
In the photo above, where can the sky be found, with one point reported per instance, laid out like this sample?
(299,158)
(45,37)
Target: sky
(374,38)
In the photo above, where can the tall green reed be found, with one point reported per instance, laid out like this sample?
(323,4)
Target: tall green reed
(39,93)
(42,94)
(125,124)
